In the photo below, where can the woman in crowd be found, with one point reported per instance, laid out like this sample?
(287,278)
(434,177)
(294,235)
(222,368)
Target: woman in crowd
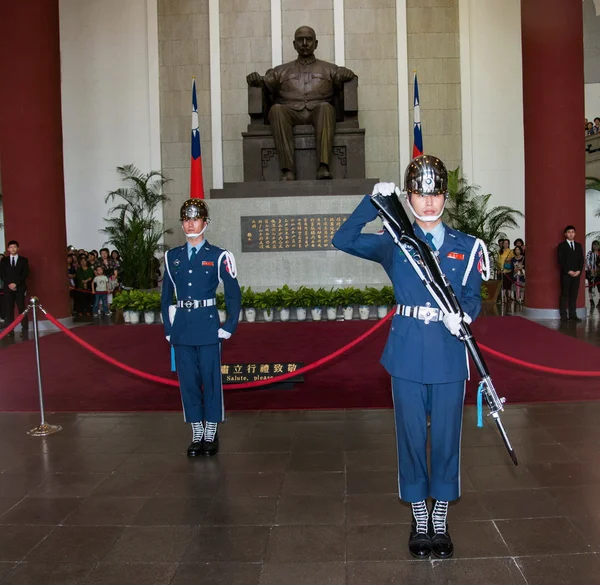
(518,274)
(83,281)
(592,271)
(504,264)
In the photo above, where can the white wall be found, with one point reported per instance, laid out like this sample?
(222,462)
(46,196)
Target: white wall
(492,100)
(592,101)
(109,67)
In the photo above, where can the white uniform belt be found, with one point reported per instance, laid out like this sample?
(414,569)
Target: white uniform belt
(195,304)
(427,314)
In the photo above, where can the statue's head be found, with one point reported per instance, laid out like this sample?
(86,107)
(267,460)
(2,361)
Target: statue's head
(305,41)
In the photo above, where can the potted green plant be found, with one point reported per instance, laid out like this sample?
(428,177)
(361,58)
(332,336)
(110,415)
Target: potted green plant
(286,300)
(132,227)
(267,301)
(319,298)
(346,298)
(151,303)
(304,297)
(120,302)
(387,299)
(221,307)
(364,304)
(330,302)
(371,298)
(137,305)
(249,304)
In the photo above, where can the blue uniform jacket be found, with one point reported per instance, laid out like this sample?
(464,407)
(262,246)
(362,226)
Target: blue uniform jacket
(198,281)
(428,354)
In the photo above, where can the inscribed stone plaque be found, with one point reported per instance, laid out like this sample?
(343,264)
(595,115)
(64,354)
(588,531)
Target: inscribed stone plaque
(290,233)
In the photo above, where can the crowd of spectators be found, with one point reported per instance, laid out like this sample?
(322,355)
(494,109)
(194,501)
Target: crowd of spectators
(510,266)
(592,127)
(94,278)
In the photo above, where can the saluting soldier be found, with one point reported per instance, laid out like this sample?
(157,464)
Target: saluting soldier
(193,273)
(427,361)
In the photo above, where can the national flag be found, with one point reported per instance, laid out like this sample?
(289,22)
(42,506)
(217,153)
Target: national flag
(417,135)
(196,182)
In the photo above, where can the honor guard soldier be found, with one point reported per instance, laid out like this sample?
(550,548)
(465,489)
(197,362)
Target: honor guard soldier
(193,273)
(427,361)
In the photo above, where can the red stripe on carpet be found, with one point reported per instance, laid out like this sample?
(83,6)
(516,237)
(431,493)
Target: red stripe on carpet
(77,381)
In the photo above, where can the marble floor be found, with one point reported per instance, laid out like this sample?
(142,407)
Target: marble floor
(294,498)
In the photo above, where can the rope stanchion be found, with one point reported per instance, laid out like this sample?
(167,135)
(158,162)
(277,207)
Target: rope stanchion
(12,326)
(259,383)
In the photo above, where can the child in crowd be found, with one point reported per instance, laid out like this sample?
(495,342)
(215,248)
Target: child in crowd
(113,285)
(518,271)
(100,285)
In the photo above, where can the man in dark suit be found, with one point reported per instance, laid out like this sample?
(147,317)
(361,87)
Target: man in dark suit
(570,260)
(14,270)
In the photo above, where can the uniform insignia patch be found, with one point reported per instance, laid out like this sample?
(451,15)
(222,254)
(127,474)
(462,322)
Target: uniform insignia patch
(456,256)
(480,262)
(177,262)
(206,263)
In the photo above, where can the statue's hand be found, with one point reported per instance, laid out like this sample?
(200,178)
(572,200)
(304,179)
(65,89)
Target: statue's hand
(254,79)
(345,74)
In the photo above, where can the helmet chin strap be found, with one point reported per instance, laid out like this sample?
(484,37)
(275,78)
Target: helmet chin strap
(425,218)
(194,236)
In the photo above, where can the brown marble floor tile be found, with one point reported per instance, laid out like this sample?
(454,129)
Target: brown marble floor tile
(476,539)
(126,573)
(17,541)
(294,544)
(253,462)
(483,456)
(315,483)
(266,444)
(564,474)
(366,442)
(303,574)
(501,477)
(318,443)
(7,503)
(18,485)
(385,460)
(371,482)
(218,574)
(537,536)
(173,512)
(186,485)
(576,500)
(151,544)
(133,486)
(477,571)
(377,542)
(584,452)
(105,511)
(532,503)
(243,544)
(310,510)
(588,526)
(390,573)
(377,509)
(40,511)
(69,485)
(316,462)
(51,573)
(468,507)
(242,510)
(251,484)
(561,569)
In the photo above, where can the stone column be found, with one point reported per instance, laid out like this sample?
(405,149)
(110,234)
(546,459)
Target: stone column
(553,110)
(31,146)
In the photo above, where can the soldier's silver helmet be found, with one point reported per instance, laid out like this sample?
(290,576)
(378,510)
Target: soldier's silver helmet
(426,175)
(194,209)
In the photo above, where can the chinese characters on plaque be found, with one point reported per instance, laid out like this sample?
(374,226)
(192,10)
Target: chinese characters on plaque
(290,233)
(240,373)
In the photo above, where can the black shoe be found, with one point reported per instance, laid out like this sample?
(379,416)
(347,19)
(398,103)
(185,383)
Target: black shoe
(24,333)
(211,448)
(195,449)
(563,319)
(576,319)
(419,544)
(441,544)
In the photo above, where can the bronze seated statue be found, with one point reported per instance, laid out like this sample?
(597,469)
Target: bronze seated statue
(303,120)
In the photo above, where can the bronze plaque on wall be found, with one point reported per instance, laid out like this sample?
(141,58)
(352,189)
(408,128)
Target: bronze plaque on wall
(290,233)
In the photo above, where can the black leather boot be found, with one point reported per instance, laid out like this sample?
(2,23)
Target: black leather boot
(195,449)
(419,543)
(441,543)
(211,448)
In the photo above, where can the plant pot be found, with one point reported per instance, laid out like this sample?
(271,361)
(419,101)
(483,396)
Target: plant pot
(382,311)
(149,317)
(348,313)
(316,313)
(222,315)
(301,313)
(364,311)
(284,314)
(241,317)
(268,315)
(250,315)
(127,316)
(134,317)
(332,313)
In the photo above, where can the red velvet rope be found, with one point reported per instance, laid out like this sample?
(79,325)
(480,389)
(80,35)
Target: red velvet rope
(256,384)
(309,367)
(8,329)
(102,292)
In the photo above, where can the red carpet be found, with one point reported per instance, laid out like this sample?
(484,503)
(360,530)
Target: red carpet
(77,381)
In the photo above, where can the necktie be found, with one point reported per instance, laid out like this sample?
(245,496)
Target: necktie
(572,246)
(429,238)
(193,254)
(14,262)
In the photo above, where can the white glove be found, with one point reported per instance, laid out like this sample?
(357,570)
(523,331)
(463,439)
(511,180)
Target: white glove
(386,189)
(452,322)
(168,338)
(224,334)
